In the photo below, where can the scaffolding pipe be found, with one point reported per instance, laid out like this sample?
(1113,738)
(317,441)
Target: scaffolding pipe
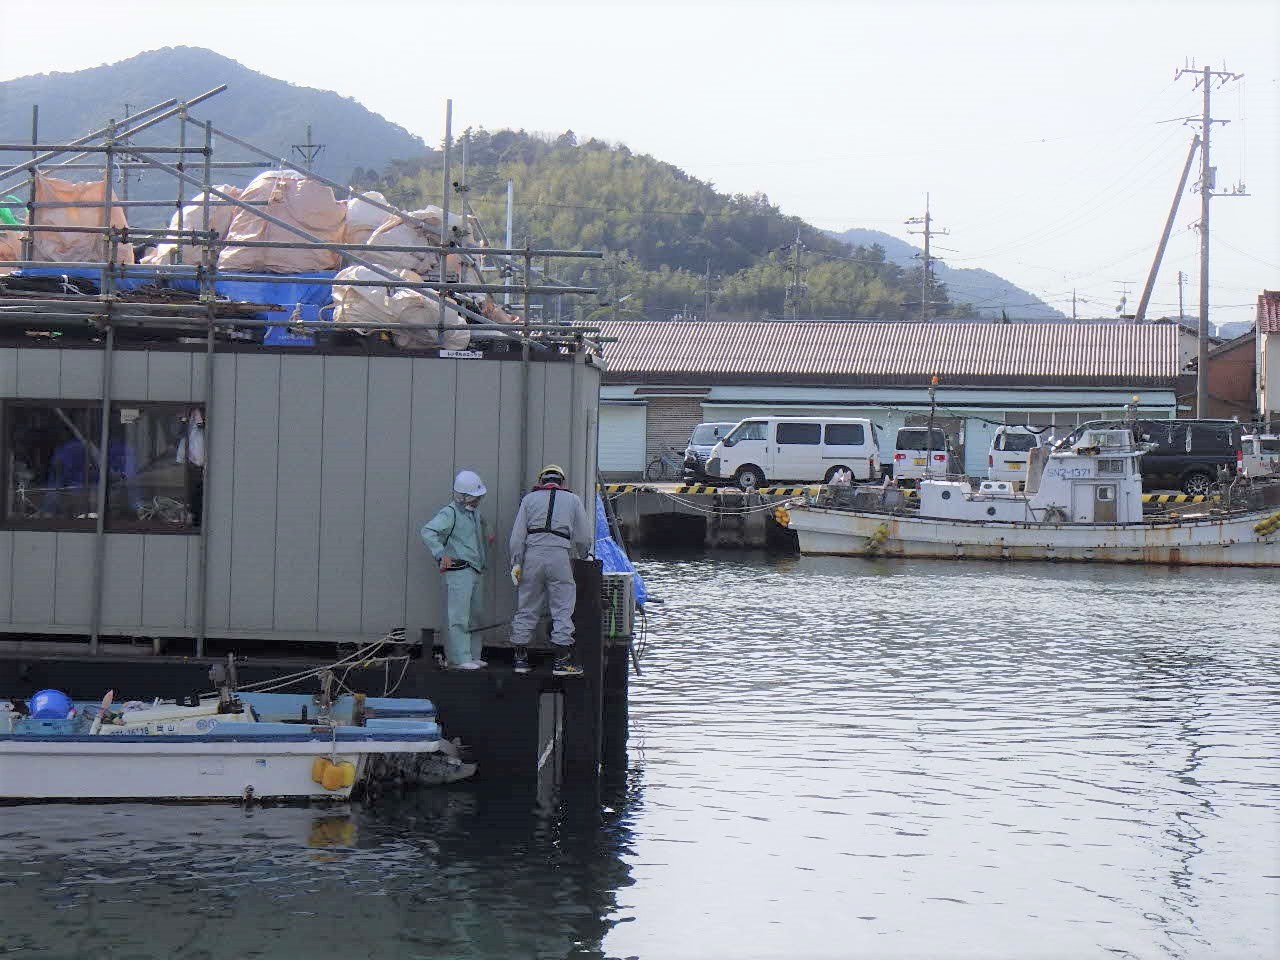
(28,242)
(134,128)
(99,530)
(207,277)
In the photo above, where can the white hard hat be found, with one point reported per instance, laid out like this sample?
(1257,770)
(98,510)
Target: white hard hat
(468,482)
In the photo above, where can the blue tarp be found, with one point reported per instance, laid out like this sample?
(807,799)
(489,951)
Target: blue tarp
(95,276)
(306,296)
(612,556)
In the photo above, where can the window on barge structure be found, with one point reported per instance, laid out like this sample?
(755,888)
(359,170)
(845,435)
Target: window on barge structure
(154,460)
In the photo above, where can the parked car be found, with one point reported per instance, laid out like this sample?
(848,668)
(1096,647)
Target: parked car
(1181,454)
(916,452)
(797,450)
(1259,456)
(704,437)
(1011,450)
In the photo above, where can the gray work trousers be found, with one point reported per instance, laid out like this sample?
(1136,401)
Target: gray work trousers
(547,574)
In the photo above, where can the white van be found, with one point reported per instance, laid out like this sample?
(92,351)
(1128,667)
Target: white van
(1011,450)
(796,450)
(1258,456)
(915,453)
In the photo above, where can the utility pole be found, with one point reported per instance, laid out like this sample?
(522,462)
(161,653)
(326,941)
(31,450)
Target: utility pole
(1073,303)
(1141,314)
(1124,296)
(308,151)
(794,291)
(1205,78)
(1182,277)
(706,292)
(926,274)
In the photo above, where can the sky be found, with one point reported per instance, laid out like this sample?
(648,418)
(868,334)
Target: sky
(1047,134)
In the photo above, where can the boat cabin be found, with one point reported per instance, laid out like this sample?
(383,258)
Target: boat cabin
(1095,480)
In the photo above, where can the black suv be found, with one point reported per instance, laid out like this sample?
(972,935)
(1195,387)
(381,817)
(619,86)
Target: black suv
(1184,454)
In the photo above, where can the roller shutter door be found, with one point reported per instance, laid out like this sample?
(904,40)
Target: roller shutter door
(622,437)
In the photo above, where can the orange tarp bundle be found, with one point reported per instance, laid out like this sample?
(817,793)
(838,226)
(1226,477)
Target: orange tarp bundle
(192,218)
(75,247)
(307,204)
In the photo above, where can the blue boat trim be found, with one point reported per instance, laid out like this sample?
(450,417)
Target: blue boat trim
(356,735)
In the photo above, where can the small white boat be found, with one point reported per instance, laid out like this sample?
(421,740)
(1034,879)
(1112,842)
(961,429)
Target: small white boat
(1082,503)
(234,746)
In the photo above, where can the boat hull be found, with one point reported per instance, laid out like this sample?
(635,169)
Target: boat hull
(1215,542)
(181,768)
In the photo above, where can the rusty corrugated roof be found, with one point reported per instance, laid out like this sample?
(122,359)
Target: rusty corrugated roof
(892,353)
(1269,311)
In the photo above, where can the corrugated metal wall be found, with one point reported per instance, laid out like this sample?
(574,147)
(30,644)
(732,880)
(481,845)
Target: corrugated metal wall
(668,423)
(321,471)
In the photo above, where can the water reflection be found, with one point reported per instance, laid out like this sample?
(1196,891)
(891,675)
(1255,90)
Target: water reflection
(906,759)
(829,758)
(450,872)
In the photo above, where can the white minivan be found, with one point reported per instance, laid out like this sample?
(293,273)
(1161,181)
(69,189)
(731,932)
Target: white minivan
(917,454)
(796,450)
(1011,450)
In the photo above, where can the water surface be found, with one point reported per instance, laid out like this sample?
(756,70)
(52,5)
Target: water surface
(830,758)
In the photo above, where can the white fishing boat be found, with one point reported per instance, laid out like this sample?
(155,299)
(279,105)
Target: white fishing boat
(1082,503)
(230,746)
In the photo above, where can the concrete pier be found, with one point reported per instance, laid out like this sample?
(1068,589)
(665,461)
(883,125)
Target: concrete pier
(657,514)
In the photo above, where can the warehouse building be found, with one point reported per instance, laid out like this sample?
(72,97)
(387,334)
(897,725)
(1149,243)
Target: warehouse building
(664,377)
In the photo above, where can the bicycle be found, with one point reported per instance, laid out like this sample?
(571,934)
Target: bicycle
(666,466)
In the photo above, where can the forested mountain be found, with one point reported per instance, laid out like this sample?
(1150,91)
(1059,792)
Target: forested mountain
(664,231)
(990,295)
(270,113)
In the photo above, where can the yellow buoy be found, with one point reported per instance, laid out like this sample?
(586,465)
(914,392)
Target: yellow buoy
(333,777)
(348,771)
(319,767)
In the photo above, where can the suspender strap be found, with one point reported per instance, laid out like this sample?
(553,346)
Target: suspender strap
(546,524)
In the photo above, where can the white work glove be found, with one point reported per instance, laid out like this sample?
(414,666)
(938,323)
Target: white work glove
(515,575)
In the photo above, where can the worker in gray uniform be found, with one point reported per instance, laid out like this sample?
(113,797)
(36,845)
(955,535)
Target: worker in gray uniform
(458,539)
(551,528)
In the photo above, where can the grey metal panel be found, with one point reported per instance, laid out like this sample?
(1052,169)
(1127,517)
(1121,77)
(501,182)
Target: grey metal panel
(298,501)
(9,372)
(39,373)
(81,375)
(199,359)
(430,481)
(6,575)
(129,375)
(122,582)
(476,447)
(386,493)
(536,417)
(34,562)
(254,488)
(509,486)
(168,376)
(165,560)
(220,453)
(557,412)
(342,492)
(73,579)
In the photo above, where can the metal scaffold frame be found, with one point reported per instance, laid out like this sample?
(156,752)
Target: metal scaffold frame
(111,310)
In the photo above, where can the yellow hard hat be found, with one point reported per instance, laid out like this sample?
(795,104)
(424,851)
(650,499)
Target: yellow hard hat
(551,469)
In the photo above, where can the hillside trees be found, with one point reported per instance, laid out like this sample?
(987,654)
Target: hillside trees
(660,227)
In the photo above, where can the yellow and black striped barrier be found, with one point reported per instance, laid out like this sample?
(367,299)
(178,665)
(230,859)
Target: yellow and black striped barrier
(706,489)
(1174,498)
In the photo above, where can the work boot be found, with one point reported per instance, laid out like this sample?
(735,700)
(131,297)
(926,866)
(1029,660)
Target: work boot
(564,664)
(521,662)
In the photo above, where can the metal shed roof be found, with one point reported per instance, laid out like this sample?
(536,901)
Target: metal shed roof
(891,353)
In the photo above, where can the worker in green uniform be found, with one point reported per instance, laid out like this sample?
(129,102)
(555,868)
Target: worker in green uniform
(458,539)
